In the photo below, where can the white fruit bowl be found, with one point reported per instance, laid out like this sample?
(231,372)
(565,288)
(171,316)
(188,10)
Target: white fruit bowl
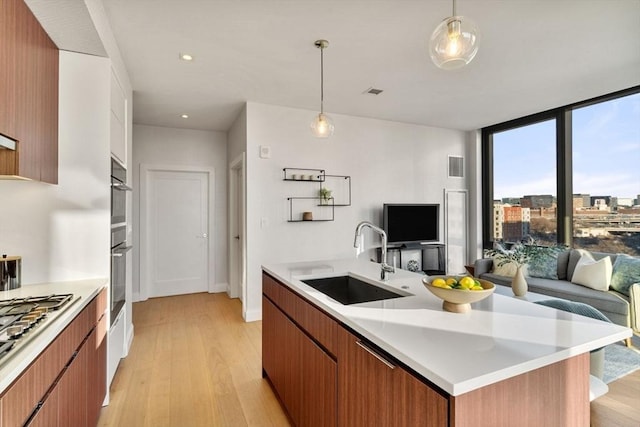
(458,300)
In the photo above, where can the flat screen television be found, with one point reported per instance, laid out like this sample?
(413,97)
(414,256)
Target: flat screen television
(411,223)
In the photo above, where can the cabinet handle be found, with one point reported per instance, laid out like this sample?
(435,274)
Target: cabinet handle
(375,354)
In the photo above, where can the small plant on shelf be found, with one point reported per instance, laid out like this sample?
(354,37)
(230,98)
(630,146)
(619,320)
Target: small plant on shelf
(325,195)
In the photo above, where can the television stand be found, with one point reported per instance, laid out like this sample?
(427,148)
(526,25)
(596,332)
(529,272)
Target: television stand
(430,257)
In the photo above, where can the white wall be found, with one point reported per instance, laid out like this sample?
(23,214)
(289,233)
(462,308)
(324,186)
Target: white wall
(62,231)
(154,145)
(237,136)
(387,162)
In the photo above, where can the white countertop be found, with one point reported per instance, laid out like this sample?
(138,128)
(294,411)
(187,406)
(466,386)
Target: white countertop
(83,291)
(500,338)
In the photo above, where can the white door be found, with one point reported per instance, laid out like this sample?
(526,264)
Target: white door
(176,241)
(455,204)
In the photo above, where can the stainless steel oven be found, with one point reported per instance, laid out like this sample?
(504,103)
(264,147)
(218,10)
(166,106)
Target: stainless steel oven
(119,190)
(119,251)
(119,248)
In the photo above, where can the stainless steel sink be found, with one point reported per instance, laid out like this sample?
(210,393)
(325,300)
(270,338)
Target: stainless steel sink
(350,290)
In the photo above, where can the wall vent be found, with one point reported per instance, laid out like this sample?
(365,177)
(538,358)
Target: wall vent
(456,167)
(373,91)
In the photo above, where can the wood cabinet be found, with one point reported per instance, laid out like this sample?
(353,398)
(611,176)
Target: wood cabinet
(66,384)
(304,376)
(97,372)
(373,390)
(28,95)
(72,390)
(326,375)
(312,359)
(8,23)
(47,415)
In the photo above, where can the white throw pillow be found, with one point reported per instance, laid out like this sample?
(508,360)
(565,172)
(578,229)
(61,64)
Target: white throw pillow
(508,269)
(593,274)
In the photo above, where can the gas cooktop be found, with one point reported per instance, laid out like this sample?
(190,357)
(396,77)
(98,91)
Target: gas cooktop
(21,319)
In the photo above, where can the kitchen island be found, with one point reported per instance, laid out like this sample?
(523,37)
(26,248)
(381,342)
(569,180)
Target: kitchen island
(505,361)
(56,372)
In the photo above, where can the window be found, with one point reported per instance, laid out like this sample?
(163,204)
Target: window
(568,175)
(524,183)
(606,175)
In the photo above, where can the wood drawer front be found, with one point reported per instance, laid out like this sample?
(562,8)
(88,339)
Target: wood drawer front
(95,310)
(47,415)
(22,397)
(314,321)
(373,389)
(96,371)
(101,305)
(73,335)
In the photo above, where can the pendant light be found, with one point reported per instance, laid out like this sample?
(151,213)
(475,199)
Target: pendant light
(322,125)
(454,42)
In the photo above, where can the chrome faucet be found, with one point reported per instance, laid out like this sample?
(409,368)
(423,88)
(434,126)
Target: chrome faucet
(384,267)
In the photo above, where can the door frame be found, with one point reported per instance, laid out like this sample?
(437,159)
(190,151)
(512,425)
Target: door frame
(145,263)
(237,282)
(465,221)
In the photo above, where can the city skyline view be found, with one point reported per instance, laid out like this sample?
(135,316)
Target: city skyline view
(606,153)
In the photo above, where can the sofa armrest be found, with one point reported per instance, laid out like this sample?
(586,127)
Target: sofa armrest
(634,306)
(484,265)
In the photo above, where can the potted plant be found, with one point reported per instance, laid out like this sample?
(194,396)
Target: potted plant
(325,195)
(519,255)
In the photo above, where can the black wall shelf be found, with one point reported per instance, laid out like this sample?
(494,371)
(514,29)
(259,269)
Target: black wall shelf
(303,174)
(316,203)
(340,186)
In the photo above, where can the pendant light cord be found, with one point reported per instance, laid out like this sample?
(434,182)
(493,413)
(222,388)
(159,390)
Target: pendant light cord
(454,8)
(321,79)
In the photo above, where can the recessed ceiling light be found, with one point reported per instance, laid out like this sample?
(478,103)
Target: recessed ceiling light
(184,116)
(186,57)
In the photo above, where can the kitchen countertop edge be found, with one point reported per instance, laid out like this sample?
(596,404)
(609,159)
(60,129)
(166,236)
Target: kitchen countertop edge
(83,290)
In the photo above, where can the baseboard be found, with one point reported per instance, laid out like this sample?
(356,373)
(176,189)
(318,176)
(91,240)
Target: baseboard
(136,297)
(218,287)
(252,316)
(129,341)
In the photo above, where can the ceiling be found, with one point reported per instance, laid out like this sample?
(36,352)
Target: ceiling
(533,56)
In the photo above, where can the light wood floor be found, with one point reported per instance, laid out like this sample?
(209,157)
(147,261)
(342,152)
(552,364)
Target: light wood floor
(620,407)
(195,362)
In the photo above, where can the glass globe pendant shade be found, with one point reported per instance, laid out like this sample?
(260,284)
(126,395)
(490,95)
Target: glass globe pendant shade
(322,126)
(454,43)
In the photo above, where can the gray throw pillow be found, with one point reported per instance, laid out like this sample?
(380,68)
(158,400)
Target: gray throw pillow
(545,263)
(626,272)
(563,264)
